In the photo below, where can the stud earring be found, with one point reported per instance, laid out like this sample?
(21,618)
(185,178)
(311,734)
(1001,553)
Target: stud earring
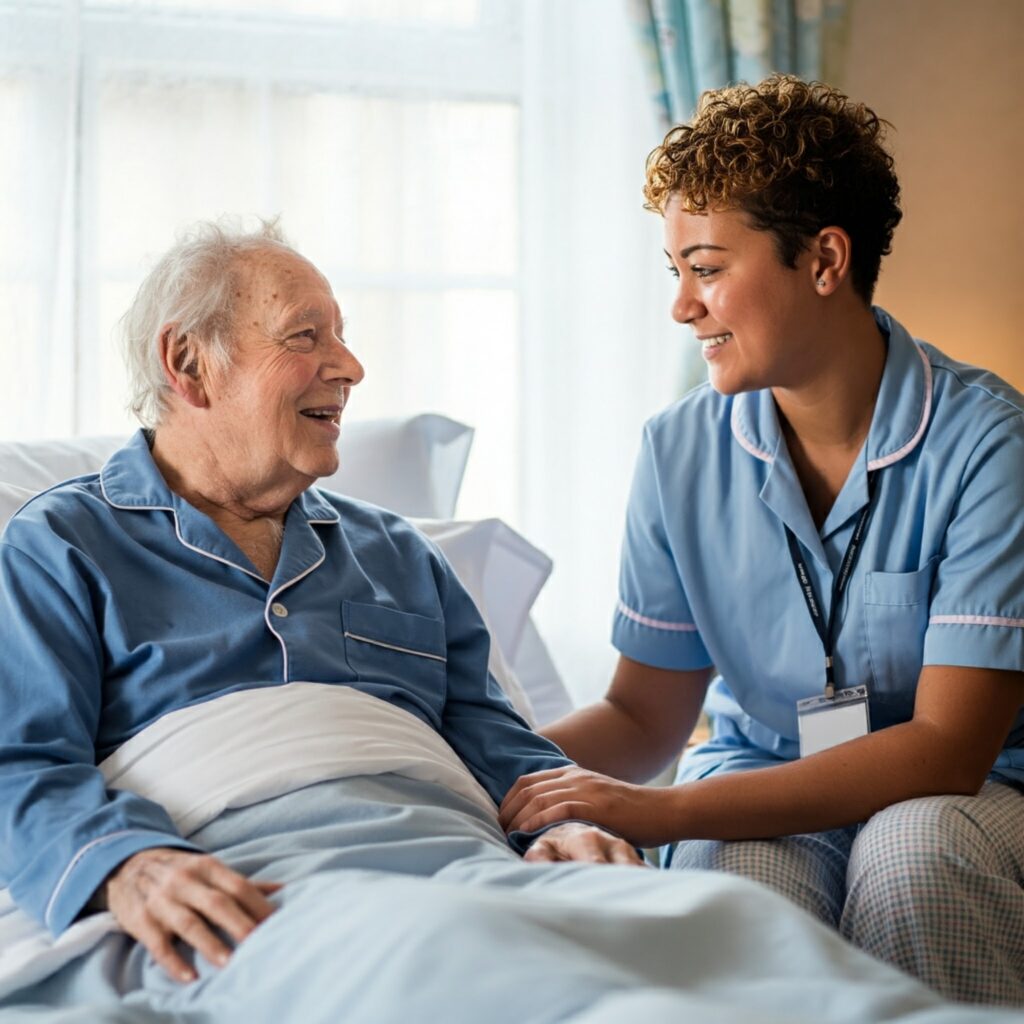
(821,282)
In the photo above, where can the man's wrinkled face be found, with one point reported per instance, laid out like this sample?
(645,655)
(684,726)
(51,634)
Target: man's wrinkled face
(276,409)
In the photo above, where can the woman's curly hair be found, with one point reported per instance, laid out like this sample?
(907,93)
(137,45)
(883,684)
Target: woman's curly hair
(796,157)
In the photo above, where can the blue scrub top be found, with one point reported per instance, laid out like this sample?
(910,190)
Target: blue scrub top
(121,602)
(707,577)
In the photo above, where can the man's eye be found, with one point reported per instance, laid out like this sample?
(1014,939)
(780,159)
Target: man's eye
(303,341)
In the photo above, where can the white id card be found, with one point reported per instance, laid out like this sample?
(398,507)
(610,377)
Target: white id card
(823,723)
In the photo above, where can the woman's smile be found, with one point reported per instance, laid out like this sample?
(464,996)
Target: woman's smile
(711,345)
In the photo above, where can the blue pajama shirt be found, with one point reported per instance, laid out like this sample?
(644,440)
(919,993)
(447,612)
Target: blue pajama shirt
(707,577)
(120,602)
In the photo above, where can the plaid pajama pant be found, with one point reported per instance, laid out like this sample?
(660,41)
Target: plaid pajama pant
(933,885)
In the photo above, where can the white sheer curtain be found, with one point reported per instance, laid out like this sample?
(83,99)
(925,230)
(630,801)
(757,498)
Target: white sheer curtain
(466,172)
(39,72)
(600,353)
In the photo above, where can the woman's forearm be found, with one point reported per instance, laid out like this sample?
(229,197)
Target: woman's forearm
(642,723)
(605,738)
(840,786)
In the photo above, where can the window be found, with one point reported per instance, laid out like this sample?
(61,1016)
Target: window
(385,132)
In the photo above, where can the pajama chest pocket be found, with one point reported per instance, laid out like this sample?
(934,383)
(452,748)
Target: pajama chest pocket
(393,648)
(896,613)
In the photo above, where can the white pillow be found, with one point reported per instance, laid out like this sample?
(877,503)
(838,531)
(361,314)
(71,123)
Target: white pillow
(41,464)
(503,573)
(535,670)
(413,466)
(11,499)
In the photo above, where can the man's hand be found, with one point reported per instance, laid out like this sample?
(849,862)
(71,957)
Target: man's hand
(162,894)
(577,841)
(640,813)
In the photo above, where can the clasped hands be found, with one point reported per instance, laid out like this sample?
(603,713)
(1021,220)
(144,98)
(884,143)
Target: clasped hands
(638,813)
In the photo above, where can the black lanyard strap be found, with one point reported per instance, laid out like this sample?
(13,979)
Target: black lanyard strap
(827,632)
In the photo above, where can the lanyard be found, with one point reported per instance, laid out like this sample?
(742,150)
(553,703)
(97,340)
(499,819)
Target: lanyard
(828,632)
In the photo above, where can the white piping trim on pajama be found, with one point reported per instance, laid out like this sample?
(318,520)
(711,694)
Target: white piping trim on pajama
(395,647)
(975,620)
(71,867)
(233,565)
(177,531)
(672,627)
(272,597)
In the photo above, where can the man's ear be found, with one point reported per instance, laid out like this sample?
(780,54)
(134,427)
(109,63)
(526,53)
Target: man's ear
(832,253)
(183,367)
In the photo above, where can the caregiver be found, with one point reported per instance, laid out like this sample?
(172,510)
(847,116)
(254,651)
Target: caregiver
(835,522)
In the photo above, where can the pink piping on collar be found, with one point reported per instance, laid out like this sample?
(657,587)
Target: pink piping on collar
(744,443)
(926,411)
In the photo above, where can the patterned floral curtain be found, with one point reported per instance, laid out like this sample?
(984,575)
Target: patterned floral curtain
(693,45)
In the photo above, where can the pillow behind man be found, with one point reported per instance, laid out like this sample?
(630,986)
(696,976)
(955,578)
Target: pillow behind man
(412,465)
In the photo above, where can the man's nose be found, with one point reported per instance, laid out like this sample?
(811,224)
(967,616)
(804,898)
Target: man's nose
(343,365)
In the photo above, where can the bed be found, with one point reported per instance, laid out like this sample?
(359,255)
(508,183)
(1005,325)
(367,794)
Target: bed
(402,900)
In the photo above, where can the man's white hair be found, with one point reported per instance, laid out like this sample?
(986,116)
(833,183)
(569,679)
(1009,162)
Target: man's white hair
(193,285)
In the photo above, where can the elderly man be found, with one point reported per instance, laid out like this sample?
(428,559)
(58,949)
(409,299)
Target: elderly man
(201,562)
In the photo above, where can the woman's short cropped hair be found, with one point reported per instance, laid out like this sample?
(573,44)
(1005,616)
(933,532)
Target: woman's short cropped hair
(193,285)
(796,157)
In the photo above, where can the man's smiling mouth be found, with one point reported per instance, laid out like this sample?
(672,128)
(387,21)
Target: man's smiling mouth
(326,413)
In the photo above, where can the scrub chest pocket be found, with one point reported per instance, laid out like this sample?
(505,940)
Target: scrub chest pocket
(896,614)
(396,649)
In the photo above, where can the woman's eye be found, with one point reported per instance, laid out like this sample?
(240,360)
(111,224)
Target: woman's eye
(672,270)
(704,272)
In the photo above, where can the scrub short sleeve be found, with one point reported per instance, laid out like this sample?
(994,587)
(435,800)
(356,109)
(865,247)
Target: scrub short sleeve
(976,613)
(653,621)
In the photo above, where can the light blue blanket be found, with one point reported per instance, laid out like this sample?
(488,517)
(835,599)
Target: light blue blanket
(403,903)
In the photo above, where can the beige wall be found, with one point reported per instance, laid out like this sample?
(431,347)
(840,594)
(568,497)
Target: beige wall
(947,74)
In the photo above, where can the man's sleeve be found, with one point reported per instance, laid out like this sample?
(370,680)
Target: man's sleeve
(976,612)
(479,722)
(653,622)
(63,831)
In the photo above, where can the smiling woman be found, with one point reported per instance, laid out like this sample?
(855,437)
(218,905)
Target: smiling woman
(836,525)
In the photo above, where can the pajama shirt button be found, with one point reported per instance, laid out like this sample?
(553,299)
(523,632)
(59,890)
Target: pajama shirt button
(279,610)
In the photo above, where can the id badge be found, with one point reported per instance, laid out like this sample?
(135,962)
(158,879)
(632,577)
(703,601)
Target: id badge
(823,723)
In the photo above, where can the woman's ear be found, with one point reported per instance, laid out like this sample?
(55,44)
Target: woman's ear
(832,251)
(182,365)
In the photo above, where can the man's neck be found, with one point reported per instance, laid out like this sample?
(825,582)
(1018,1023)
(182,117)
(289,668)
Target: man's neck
(193,469)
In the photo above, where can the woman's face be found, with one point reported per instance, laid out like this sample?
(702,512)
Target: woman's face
(754,318)
(276,408)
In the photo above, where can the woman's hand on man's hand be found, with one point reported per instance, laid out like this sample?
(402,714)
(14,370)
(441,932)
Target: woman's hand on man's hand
(639,813)
(161,895)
